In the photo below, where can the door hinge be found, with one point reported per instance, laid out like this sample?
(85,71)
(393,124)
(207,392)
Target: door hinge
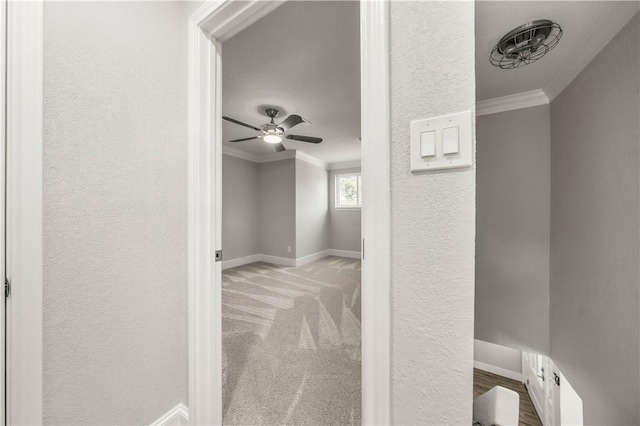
(218,255)
(7,288)
(556,379)
(363,249)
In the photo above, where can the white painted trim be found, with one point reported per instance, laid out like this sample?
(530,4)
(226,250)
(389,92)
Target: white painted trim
(512,102)
(498,370)
(24,212)
(311,160)
(277,260)
(277,156)
(178,415)
(234,152)
(204,283)
(239,261)
(224,19)
(599,37)
(344,165)
(376,214)
(3,144)
(212,23)
(305,260)
(344,253)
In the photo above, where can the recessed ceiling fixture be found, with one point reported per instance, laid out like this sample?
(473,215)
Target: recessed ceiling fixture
(525,44)
(272,133)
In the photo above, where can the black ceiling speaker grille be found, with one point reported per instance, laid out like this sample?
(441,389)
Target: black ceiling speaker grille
(525,44)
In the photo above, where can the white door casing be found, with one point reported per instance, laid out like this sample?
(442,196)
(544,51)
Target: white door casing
(3,144)
(209,26)
(24,239)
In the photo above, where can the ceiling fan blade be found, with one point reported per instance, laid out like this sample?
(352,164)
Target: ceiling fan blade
(290,121)
(279,147)
(240,123)
(244,139)
(309,139)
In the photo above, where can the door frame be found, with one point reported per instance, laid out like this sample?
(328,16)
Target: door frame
(209,26)
(22,210)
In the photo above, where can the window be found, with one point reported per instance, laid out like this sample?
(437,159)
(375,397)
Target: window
(348,191)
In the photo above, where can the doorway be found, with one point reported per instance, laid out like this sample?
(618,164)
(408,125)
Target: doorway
(291,217)
(210,26)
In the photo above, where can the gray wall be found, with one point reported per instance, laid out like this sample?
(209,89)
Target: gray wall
(512,222)
(595,245)
(346,225)
(498,356)
(312,209)
(240,207)
(432,219)
(277,208)
(115,211)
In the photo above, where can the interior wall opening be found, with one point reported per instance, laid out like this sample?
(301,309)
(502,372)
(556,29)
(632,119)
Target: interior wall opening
(558,232)
(291,217)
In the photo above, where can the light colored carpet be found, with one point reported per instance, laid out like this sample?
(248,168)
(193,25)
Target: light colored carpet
(291,344)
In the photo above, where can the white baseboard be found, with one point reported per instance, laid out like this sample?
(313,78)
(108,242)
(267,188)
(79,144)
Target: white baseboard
(177,416)
(345,253)
(239,261)
(276,260)
(285,261)
(301,261)
(497,370)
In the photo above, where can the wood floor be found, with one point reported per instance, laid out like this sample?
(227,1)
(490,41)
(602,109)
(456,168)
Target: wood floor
(483,381)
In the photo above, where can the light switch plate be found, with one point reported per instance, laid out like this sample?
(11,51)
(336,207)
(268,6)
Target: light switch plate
(464,155)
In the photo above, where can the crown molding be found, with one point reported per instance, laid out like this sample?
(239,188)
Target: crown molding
(344,165)
(276,156)
(511,102)
(599,37)
(311,160)
(239,154)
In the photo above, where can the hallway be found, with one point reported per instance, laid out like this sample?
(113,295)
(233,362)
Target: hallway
(483,381)
(291,343)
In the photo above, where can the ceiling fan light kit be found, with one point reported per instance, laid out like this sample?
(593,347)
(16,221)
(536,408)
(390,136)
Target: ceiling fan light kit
(272,138)
(525,44)
(273,133)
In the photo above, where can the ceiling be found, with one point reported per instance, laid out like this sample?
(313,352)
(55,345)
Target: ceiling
(304,57)
(587,25)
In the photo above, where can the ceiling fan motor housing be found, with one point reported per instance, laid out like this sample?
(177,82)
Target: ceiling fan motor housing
(525,44)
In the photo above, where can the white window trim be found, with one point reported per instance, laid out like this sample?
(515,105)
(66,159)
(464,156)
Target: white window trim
(336,189)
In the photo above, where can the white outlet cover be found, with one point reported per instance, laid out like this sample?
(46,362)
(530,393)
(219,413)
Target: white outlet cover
(463,158)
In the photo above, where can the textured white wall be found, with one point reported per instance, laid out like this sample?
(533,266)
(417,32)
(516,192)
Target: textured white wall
(512,221)
(240,207)
(346,225)
(115,211)
(595,229)
(312,209)
(433,219)
(277,207)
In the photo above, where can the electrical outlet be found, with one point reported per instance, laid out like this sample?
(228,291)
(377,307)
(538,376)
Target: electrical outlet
(288,249)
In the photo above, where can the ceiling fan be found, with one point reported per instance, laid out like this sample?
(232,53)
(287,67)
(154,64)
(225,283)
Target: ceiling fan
(273,133)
